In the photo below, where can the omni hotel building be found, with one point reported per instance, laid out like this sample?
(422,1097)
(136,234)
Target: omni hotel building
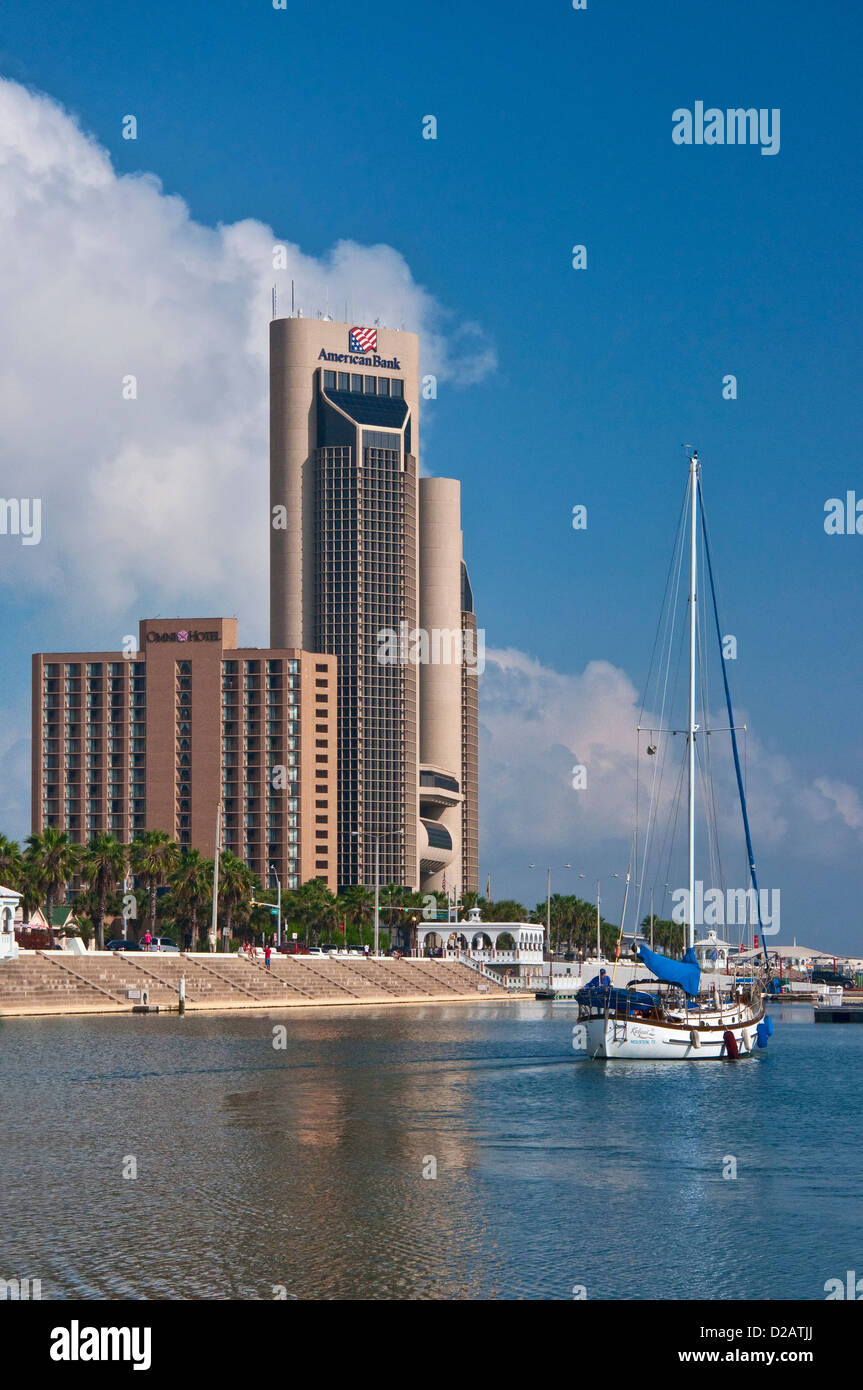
(155,739)
(361,545)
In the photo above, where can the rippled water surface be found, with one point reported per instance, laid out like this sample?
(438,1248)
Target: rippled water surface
(303,1167)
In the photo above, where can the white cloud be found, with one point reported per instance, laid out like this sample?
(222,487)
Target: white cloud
(844,799)
(159,504)
(537,723)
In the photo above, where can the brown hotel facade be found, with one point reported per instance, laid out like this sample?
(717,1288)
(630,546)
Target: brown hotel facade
(155,739)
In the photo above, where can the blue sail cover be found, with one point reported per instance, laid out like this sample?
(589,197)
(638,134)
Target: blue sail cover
(686,972)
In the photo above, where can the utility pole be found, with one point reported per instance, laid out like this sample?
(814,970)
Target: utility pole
(274,872)
(377,895)
(548,908)
(598,937)
(214,923)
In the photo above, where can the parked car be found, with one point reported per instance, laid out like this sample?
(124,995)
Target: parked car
(164,943)
(121,945)
(317,951)
(832,977)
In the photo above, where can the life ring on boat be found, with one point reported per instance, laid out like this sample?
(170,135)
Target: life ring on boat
(730,1041)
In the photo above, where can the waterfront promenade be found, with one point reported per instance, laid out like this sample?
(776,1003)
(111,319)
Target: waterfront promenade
(50,982)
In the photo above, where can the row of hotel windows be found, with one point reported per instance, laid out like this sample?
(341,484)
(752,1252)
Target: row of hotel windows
(53,745)
(71,742)
(251,744)
(250,668)
(364,385)
(135,703)
(115,685)
(137,670)
(94,668)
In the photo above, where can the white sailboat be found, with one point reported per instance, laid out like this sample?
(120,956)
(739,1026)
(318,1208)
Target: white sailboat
(673,1019)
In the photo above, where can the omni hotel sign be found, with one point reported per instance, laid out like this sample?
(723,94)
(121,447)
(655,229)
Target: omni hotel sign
(183,635)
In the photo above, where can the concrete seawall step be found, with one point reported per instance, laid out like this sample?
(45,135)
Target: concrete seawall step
(48,982)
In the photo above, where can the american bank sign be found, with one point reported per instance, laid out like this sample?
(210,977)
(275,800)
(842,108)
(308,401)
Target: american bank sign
(361,351)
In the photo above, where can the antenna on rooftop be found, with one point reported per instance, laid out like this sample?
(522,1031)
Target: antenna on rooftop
(274,301)
(292,299)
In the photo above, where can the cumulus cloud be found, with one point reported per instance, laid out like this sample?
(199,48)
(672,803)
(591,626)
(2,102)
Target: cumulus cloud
(844,799)
(160,503)
(537,724)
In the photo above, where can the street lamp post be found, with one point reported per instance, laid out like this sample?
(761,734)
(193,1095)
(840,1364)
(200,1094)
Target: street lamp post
(548,915)
(598,917)
(274,872)
(377,921)
(377,895)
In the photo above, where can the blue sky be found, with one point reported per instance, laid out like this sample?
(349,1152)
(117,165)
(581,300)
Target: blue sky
(554,128)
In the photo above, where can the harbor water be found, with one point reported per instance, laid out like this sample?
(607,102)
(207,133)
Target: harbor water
(433,1152)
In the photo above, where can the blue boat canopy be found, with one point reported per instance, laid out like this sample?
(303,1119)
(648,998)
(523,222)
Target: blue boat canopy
(686,972)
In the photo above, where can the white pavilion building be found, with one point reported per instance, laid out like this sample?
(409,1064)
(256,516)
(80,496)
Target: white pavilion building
(513,951)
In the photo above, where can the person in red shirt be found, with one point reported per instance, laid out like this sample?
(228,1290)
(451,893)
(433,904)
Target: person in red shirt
(267,957)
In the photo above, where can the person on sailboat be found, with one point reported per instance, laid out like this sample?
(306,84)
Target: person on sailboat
(600,981)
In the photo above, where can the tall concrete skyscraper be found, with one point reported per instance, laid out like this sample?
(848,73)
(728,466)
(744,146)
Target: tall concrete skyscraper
(364,559)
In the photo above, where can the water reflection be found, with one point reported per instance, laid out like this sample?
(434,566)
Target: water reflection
(303,1168)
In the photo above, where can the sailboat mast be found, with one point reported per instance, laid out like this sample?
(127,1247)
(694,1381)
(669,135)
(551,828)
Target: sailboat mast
(689,928)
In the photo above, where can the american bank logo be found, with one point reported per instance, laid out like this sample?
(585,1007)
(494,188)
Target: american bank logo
(362,351)
(363,340)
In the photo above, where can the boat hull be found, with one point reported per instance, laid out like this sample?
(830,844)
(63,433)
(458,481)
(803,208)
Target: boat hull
(643,1040)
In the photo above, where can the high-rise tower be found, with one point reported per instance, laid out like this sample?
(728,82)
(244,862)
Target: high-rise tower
(346,578)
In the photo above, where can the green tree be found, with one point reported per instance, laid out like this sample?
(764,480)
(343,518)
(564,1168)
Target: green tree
(52,860)
(191,886)
(102,866)
(314,909)
(507,910)
(667,935)
(236,889)
(153,857)
(12,868)
(355,907)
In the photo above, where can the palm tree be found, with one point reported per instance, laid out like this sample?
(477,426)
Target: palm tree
(355,905)
(30,890)
(667,935)
(191,886)
(507,910)
(152,858)
(53,860)
(103,864)
(11,864)
(236,886)
(314,907)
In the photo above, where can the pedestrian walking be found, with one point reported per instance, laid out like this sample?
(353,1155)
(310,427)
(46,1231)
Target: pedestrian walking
(267,957)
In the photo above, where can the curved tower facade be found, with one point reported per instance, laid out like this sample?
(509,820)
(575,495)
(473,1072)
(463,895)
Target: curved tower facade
(348,539)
